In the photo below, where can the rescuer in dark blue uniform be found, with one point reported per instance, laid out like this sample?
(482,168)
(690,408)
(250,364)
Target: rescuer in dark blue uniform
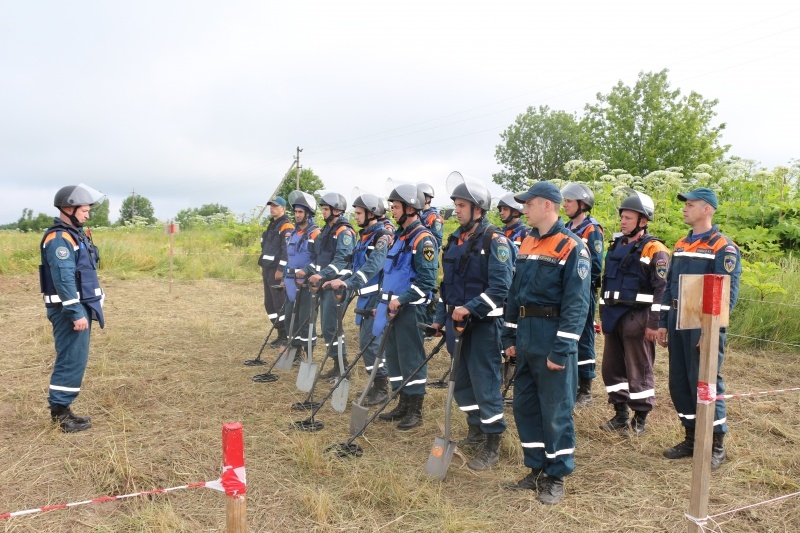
(409,276)
(704,251)
(73,298)
(369,257)
(430,216)
(545,314)
(333,258)
(273,261)
(477,263)
(578,202)
(630,304)
(299,255)
(514,229)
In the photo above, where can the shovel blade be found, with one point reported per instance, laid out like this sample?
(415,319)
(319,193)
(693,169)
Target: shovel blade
(358,417)
(340,395)
(286,359)
(306,375)
(440,457)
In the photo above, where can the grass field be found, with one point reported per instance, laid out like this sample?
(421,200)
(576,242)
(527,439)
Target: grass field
(167,372)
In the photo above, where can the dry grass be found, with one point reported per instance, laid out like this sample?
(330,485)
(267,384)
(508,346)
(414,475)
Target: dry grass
(167,372)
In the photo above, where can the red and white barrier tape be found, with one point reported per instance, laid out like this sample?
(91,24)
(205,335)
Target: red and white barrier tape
(233,481)
(707,393)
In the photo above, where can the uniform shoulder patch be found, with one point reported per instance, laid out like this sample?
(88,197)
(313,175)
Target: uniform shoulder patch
(661,268)
(347,239)
(382,243)
(598,246)
(62,252)
(428,252)
(503,253)
(437,225)
(730,249)
(729,263)
(500,239)
(584,253)
(584,267)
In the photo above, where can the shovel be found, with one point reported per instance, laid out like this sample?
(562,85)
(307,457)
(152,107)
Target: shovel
(443,447)
(286,358)
(342,387)
(308,368)
(359,413)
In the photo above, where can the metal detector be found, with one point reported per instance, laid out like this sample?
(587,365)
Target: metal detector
(286,354)
(349,448)
(308,368)
(440,383)
(359,413)
(258,361)
(342,386)
(443,447)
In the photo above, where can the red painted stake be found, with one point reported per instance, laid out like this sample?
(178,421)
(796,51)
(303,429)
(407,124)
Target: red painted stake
(233,477)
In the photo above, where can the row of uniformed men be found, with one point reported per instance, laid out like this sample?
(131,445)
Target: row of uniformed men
(549,307)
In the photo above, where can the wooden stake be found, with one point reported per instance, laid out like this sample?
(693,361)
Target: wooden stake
(233,477)
(713,287)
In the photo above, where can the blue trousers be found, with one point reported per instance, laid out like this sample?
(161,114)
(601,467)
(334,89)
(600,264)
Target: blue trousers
(327,308)
(586,356)
(72,354)
(299,337)
(405,350)
(684,368)
(478,381)
(369,344)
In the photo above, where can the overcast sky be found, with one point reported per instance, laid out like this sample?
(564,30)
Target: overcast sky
(197,102)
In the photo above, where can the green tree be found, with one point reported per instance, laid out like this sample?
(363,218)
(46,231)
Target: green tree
(650,127)
(27,222)
(98,216)
(136,207)
(309,182)
(536,147)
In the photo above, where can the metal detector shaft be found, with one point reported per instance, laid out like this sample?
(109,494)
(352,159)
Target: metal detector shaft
(394,394)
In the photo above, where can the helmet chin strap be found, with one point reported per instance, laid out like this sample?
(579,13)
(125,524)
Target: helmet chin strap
(469,225)
(367,219)
(578,212)
(72,217)
(511,216)
(332,216)
(637,229)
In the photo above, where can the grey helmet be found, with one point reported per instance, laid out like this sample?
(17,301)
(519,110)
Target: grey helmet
(470,190)
(578,191)
(508,200)
(638,202)
(426,189)
(303,199)
(334,200)
(371,203)
(77,195)
(409,194)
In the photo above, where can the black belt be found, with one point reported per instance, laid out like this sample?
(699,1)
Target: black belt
(528,311)
(674,304)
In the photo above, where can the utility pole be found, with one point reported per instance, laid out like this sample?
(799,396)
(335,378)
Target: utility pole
(297,162)
(133,204)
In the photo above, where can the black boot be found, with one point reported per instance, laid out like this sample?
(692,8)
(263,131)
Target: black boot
(399,410)
(718,453)
(620,421)
(489,454)
(638,423)
(334,372)
(67,421)
(379,391)
(551,490)
(413,417)
(682,449)
(475,437)
(584,397)
(533,481)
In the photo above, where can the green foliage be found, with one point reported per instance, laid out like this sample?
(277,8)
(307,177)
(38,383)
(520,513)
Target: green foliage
(535,147)
(309,182)
(27,222)
(98,216)
(136,206)
(206,215)
(757,275)
(649,127)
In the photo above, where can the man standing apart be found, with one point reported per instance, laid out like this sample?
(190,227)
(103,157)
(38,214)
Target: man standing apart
(477,275)
(548,303)
(299,255)
(272,261)
(704,251)
(409,276)
(630,305)
(333,258)
(369,256)
(73,298)
(578,202)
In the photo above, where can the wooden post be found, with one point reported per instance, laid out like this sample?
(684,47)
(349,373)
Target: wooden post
(233,477)
(172,229)
(713,287)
